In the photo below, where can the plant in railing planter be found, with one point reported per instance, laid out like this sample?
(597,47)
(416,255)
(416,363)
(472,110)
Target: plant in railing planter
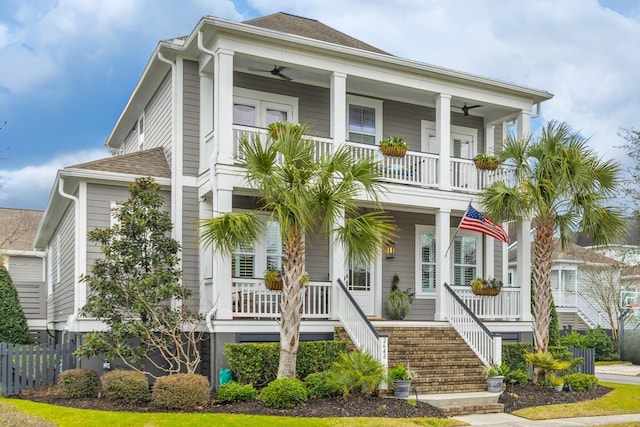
(394,146)
(487,287)
(279,129)
(398,302)
(486,162)
(273,280)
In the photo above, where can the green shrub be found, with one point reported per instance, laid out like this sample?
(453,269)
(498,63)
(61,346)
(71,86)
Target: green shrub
(126,386)
(356,373)
(234,392)
(78,383)
(257,364)
(284,393)
(319,385)
(596,338)
(517,375)
(580,382)
(180,391)
(513,355)
(13,323)
(563,354)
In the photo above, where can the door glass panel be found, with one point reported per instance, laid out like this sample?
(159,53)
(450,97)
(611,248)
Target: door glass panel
(359,276)
(275,116)
(244,115)
(464,260)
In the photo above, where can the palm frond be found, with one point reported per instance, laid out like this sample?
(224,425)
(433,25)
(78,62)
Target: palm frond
(226,232)
(364,235)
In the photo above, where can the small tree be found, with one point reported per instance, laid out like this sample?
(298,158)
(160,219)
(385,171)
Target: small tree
(602,285)
(13,323)
(135,289)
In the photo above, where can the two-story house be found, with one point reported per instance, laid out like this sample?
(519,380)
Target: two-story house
(199,93)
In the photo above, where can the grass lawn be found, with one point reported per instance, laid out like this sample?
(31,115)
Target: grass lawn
(64,417)
(622,400)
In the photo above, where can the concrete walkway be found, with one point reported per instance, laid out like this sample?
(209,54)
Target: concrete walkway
(623,373)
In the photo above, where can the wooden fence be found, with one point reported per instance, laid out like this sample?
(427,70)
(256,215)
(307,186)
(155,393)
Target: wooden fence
(589,364)
(33,366)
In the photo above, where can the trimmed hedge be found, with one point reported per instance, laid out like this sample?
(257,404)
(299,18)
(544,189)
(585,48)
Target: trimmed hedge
(284,393)
(78,383)
(126,386)
(319,385)
(13,323)
(257,364)
(180,391)
(513,355)
(580,382)
(234,392)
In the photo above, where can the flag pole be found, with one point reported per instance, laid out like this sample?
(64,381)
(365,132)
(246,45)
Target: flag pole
(457,229)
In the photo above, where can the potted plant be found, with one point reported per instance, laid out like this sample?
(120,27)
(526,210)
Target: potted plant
(486,162)
(486,287)
(398,302)
(400,378)
(273,280)
(394,146)
(494,374)
(278,129)
(555,381)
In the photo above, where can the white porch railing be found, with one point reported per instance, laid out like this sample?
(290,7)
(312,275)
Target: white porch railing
(465,176)
(360,330)
(486,345)
(253,300)
(504,306)
(323,145)
(574,300)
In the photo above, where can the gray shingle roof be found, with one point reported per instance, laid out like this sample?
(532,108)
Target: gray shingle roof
(311,28)
(18,228)
(150,162)
(572,252)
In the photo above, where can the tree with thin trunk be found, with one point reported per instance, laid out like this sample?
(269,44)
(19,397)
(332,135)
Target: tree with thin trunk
(602,285)
(560,184)
(303,192)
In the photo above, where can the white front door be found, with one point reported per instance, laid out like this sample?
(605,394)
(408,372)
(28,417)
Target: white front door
(360,285)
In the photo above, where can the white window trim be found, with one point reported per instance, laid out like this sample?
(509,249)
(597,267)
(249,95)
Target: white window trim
(260,245)
(366,102)
(454,129)
(141,120)
(418,262)
(58,259)
(263,100)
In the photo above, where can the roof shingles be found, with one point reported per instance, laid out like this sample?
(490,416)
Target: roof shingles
(151,162)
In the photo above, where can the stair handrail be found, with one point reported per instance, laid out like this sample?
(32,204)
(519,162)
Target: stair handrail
(589,310)
(360,330)
(484,343)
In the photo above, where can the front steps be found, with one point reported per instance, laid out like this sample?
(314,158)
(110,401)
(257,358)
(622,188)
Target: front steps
(449,373)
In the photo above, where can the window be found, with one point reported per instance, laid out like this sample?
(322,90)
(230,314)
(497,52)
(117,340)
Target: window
(464,260)
(252,261)
(243,261)
(274,246)
(359,276)
(141,133)
(426,248)
(463,140)
(259,109)
(364,120)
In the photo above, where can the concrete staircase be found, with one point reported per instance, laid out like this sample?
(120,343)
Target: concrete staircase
(449,373)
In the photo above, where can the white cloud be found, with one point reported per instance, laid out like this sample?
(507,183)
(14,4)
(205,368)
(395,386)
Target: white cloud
(29,187)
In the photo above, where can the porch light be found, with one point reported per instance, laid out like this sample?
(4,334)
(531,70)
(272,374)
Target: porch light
(390,250)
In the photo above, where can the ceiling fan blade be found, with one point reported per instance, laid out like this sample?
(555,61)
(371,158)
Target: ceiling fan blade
(285,77)
(474,106)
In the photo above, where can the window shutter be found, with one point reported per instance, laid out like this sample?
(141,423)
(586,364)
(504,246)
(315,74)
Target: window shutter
(244,115)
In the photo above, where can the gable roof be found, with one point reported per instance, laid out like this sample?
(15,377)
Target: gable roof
(310,28)
(151,162)
(18,228)
(572,252)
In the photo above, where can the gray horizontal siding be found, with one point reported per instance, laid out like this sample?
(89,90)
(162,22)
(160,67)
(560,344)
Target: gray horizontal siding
(190,250)
(158,121)
(32,297)
(191,119)
(317,257)
(26,268)
(63,291)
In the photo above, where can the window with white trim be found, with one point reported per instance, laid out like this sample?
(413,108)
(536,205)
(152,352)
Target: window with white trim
(359,275)
(259,109)
(464,140)
(426,260)
(252,261)
(465,259)
(140,127)
(364,120)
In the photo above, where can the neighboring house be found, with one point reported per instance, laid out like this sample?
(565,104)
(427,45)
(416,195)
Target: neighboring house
(575,271)
(198,94)
(27,266)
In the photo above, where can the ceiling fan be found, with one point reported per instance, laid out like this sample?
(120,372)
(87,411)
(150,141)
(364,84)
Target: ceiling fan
(276,71)
(465,109)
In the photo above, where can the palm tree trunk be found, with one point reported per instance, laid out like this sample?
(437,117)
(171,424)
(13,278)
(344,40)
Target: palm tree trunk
(291,311)
(542,252)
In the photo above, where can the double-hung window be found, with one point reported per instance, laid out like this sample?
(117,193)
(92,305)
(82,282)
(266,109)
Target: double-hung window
(465,259)
(364,120)
(426,260)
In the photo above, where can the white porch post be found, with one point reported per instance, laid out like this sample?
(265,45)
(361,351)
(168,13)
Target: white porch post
(222,264)
(443,266)
(206,119)
(337,265)
(524,123)
(523,278)
(223,144)
(443,139)
(338,107)
(490,242)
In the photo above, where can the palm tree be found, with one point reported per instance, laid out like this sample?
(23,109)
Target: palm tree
(303,194)
(563,187)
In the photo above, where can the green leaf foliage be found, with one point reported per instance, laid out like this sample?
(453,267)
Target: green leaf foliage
(595,338)
(13,323)
(134,288)
(284,393)
(514,355)
(319,385)
(580,382)
(126,386)
(356,373)
(78,383)
(234,392)
(180,391)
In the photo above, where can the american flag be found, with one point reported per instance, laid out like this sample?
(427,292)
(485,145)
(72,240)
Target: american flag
(475,221)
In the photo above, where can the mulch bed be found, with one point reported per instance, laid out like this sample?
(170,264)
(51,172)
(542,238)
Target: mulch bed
(523,396)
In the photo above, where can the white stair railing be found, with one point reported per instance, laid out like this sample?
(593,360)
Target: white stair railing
(360,330)
(592,313)
(486,345)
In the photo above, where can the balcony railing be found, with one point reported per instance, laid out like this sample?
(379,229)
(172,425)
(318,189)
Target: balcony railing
(504,306)
(251,299)
(415,168)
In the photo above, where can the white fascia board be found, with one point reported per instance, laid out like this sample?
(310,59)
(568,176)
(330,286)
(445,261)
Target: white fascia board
(270,326)
(32,253)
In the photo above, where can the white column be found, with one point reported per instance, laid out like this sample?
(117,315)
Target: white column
(206,120)
(523,277)
(489,258)
(338,107)
(443,265)
(222,291)
(223,106)
(524,124)
(443,138)
(207,299)
(337,264)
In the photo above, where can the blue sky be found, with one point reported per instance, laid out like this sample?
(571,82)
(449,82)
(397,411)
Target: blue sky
(67,67)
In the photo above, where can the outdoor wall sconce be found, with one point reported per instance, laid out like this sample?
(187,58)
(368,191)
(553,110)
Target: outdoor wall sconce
(390,250)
